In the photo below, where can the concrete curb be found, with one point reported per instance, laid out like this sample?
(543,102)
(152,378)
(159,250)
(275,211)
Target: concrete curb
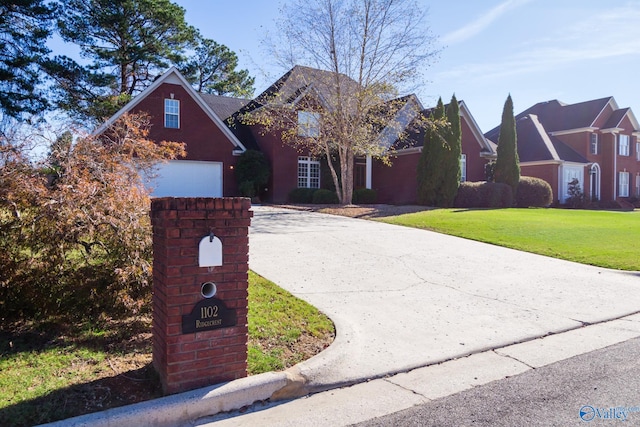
(181,408)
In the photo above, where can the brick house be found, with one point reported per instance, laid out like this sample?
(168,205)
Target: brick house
(595,142)
(395,183)
(214,135)
(179,113)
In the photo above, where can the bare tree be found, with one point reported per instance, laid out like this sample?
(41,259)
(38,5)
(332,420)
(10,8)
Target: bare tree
(367,50)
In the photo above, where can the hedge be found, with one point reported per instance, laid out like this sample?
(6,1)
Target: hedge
(483,195)
(301,195)
(533,192)
(325,197)
(364,196)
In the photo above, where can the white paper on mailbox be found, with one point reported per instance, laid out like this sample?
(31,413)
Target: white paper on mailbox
(210,252)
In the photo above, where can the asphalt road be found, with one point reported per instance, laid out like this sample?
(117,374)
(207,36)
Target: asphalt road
(600,388)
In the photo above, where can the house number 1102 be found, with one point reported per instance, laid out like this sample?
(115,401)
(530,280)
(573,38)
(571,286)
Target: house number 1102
(208,311)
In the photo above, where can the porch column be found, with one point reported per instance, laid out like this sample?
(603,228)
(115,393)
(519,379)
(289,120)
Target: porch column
(368,173)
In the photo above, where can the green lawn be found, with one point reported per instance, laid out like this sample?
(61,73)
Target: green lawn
(603,238)
(56,370)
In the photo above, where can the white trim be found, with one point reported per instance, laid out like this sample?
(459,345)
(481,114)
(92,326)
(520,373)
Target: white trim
(406,151)
(541,162)
(570,131)
(615,166)
(611,130)
(596,170)
(368,166)
(173,76)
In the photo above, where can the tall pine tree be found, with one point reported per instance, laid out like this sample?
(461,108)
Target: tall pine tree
(507,168)
(430,169)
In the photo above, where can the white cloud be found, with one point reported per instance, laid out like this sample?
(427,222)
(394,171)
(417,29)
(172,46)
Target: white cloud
(481,23)
(610,34)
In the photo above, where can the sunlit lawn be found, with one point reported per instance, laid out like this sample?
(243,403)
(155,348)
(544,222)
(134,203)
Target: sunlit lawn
(603,238)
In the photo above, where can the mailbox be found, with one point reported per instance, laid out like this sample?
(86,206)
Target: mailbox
(210,251)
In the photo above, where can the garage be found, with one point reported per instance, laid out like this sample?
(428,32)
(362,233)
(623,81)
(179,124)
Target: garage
(187,178)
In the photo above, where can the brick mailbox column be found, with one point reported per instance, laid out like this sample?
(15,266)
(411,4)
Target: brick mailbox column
(199,313)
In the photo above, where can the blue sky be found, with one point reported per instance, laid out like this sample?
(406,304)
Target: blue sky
(537,50)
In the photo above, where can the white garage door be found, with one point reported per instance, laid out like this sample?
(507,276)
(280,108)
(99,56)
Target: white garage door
(186,178)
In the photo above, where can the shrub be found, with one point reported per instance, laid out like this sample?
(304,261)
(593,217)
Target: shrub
(576,198)
(247,189)
(253,167)
(301,195)
(533,192)
(483,195)
(325,197)
(365,196)
(75,232)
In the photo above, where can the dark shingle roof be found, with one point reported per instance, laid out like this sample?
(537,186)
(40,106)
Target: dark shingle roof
(556,116)
(534,144)
(224,106)
(299,80)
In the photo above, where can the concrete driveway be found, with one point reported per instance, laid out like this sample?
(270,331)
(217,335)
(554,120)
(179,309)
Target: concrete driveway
(403,298)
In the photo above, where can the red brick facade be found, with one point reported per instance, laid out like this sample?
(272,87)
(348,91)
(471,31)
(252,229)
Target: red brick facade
(186,361)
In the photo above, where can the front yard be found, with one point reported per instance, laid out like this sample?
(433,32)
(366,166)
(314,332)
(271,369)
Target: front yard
(603,238)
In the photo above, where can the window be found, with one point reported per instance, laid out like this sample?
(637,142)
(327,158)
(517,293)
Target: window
(308,124)
(638,185)
(623,145)
(308,173)
(594,143)
(172,113)
(638,151)
(623,184)
(463,168)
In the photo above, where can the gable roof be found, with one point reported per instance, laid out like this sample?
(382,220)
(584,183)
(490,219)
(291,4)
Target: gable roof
(416,134)
(536,145)
(300,82)
(173,76)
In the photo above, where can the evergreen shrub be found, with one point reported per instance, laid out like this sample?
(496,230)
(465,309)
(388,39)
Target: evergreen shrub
(325,197)
(483,195)
(302,195)
(533,192)
(365,196)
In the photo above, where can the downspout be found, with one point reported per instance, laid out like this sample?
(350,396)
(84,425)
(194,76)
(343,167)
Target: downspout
(615,167)
(368,183)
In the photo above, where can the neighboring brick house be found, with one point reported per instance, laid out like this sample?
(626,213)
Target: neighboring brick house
(215,136)
(595,142)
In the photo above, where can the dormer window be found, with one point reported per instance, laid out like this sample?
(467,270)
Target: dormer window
(623,145)
(308,124)
(594,144)
(172,113)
